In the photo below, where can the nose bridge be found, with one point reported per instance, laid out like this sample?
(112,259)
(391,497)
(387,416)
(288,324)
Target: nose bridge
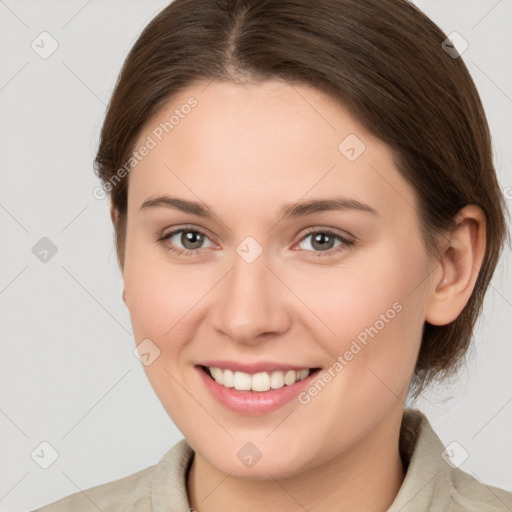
(249,298)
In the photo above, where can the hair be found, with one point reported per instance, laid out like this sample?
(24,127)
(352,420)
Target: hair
(382,59)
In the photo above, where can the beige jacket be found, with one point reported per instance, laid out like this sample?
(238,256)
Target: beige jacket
(431,483)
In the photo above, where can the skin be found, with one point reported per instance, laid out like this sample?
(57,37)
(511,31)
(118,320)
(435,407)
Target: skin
(245,151)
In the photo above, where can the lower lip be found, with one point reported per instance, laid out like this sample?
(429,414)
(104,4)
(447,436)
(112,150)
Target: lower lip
(253,403)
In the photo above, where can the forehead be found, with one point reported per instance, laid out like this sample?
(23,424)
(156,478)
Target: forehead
(269,141)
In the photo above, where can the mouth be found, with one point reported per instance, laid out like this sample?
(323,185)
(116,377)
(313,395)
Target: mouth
(258,382)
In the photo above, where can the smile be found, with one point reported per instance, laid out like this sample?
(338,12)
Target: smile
(261,381)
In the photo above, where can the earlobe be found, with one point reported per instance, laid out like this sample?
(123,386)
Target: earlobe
(458,267)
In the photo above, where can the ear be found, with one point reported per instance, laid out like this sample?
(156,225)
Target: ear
(458,268)
(114,214)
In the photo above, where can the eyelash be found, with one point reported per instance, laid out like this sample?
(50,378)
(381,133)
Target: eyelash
(188,252)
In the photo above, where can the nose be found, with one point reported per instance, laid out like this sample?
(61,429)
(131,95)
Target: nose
(251,303)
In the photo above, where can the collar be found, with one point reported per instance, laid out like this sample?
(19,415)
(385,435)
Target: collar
(428,484)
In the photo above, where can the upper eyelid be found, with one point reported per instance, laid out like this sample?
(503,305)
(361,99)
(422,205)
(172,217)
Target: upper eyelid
(336,232)
(186,228)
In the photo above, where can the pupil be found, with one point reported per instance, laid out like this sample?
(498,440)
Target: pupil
(323,239)
(192,237)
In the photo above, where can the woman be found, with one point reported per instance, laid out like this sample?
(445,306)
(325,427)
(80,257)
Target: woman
(307,218)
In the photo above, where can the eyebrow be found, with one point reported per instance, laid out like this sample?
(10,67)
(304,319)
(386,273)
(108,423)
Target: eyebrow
(290,211)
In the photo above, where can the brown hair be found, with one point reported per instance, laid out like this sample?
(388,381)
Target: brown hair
(383,59)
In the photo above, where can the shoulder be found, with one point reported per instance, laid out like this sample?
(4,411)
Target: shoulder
(132,493)
(472,495)
(434,480)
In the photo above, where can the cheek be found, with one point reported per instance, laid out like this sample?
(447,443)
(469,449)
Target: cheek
(374,309)
(367,289)
(158,292)
(167,302)
(160,297)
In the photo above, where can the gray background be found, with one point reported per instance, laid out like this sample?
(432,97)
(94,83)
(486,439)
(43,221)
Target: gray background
(68,374)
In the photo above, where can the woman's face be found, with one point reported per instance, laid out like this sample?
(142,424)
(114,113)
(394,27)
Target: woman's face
(260,272)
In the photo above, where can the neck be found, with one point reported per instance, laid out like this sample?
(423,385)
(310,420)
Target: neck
(366,477)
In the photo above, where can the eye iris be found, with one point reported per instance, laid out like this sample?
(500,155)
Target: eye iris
(193,237)
(325,240)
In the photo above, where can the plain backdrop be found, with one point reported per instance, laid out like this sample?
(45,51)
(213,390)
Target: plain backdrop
(69,378)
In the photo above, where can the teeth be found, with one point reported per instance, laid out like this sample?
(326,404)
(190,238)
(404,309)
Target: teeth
(262,381)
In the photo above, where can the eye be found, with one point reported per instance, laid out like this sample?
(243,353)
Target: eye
(191,239)
(323,241)
(188,241)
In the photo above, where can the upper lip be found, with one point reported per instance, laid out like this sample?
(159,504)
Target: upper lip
(262,366)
